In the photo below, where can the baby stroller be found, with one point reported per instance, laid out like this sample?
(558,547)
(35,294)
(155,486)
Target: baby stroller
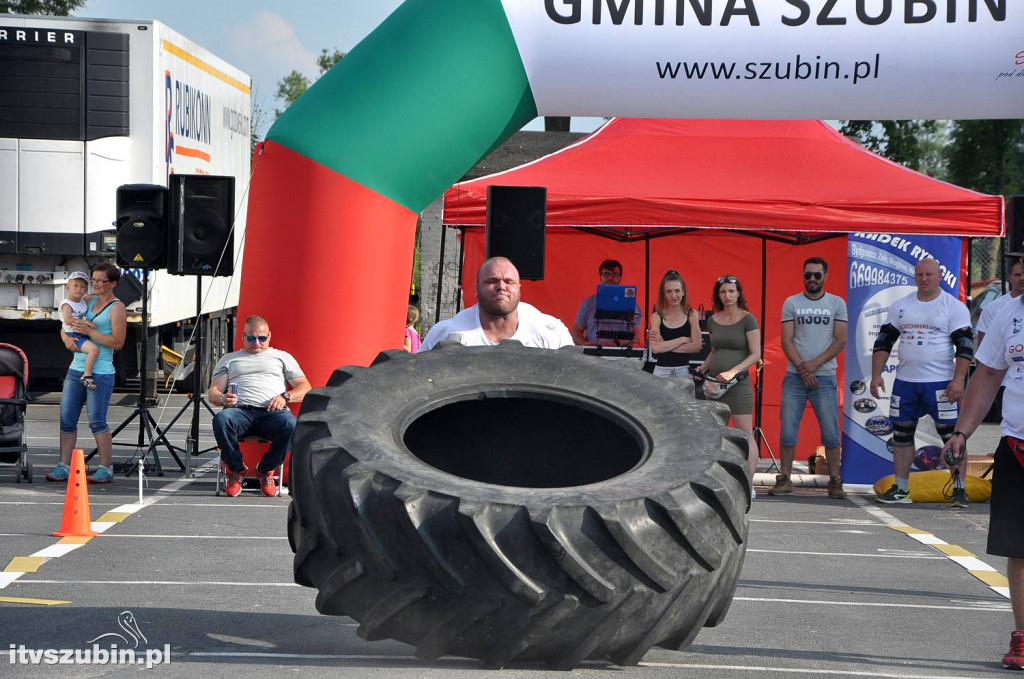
(13,402)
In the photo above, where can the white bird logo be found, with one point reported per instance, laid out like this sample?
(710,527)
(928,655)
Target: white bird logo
(125,621)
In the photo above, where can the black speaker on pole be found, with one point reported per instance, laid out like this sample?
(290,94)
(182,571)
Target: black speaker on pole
(128,288)
(202,210)
(516,217)
(141,226)
(1015,224)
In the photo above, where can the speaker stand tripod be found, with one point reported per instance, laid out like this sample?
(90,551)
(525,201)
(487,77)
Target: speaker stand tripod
(147,425)
(195,399)
(759,437)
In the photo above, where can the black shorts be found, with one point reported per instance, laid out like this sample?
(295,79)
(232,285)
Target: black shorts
(1006,523)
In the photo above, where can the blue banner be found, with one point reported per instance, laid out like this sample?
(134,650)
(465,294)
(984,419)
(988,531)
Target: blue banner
(881,270)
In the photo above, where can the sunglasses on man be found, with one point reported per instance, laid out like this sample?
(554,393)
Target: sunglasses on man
(816,275)
(253,338)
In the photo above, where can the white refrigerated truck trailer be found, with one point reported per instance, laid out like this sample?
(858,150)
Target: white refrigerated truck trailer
(87,105)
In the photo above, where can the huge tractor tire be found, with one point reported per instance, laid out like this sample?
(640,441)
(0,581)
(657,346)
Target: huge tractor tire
(512,504)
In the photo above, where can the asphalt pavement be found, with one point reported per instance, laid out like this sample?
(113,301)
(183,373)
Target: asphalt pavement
(828,588)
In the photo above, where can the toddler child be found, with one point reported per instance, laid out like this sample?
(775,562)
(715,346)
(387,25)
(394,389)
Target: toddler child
(75,305)
(412,338)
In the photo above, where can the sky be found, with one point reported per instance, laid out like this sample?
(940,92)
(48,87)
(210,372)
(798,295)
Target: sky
(268,39)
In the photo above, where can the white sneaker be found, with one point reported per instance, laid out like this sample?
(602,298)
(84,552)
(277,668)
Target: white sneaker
(753,494)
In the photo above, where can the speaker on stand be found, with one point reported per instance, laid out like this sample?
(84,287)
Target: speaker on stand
(141,226)
(200,242)
(141,243)
(516,218)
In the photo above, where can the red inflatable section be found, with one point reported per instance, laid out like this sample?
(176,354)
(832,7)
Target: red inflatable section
(701,257)
(327,262)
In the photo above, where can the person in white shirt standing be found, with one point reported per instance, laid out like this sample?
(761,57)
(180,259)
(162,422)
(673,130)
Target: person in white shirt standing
(936,349)
(499,315)
(813,334)
(1001,360)
(992,309)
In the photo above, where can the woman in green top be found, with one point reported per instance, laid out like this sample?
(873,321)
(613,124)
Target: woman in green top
(735,346)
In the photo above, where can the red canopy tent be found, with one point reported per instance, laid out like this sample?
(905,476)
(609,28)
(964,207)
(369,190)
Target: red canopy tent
(702,188)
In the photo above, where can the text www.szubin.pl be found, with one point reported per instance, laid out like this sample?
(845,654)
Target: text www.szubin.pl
(798,68)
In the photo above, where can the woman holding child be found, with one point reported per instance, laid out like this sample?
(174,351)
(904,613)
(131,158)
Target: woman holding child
(105,324)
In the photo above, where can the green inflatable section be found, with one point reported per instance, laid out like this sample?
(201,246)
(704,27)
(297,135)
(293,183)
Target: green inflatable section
(419,101)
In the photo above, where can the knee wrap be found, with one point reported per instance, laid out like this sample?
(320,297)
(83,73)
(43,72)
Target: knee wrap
(903,432)
(945,431)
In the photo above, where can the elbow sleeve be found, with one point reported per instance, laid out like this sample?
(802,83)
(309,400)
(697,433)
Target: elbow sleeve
(887,336)
(963,343)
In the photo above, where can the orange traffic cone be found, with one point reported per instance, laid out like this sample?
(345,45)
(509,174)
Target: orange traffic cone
(75,521)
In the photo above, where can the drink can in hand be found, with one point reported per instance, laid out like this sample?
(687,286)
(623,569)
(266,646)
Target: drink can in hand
(233,388)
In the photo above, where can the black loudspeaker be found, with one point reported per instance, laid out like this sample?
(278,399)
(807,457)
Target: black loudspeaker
(202,210)
(1015,224)
(141,226)
(128,288)
(515,227)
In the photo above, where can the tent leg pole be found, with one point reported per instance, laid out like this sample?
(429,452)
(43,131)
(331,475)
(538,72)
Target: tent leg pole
(1002,262)
(970,277)
(759,437)
(462,264)
(647,288)
(440,278)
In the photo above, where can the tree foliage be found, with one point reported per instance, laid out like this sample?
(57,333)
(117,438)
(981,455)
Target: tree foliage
(294,85)
(898,140)
(987,155)
(59,8)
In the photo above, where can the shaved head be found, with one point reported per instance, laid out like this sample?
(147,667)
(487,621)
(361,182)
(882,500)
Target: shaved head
(928,276)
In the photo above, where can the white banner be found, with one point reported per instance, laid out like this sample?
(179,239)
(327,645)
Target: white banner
(773,59)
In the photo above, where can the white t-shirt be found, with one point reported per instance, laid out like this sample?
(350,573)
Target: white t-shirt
(991,310)
(78,310)
(535,329)
(1003,349)
(926,348)
(814,327)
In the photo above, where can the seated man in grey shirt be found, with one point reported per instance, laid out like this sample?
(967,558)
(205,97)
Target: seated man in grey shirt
(266,380)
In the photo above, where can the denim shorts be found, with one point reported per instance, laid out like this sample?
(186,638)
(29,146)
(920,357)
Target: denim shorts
(671,371)
(96,401)
(824,400)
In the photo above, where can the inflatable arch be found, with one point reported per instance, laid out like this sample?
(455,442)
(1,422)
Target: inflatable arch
(345,171)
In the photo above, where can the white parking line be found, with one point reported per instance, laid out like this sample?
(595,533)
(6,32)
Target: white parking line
(988,608)
(418,662)
(905,555)
(229,503)
(201,537)
(20,565)
(833,522)
(176,583)
(995,581)
(801,670)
